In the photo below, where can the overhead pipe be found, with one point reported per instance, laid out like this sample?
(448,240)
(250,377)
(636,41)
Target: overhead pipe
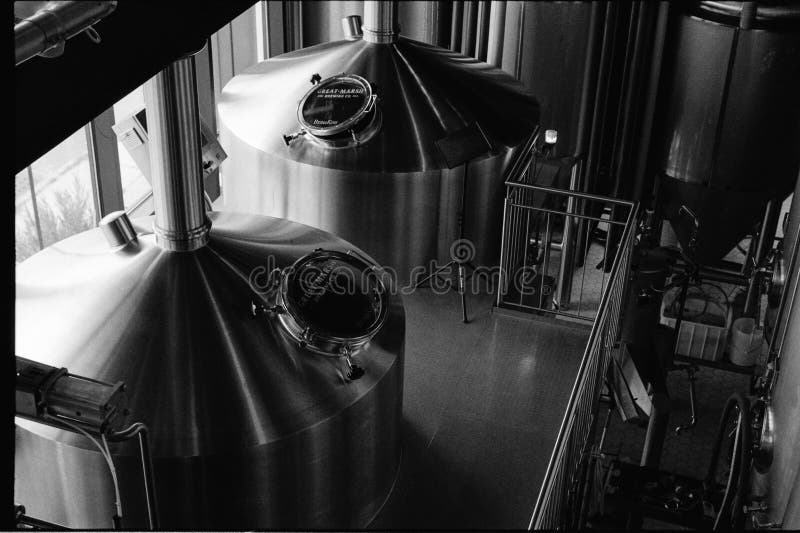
(756,12)
(380,21)
(180,223)
(46,30)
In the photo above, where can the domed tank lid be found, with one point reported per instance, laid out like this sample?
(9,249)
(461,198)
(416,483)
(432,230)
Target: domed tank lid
(332,302)
(426,94)
(335,104)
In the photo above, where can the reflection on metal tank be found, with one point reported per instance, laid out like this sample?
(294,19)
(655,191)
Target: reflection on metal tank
(389,190)
(248,429)
(265,408)
(731,123)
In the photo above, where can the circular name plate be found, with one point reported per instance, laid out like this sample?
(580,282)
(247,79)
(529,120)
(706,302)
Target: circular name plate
(335,105)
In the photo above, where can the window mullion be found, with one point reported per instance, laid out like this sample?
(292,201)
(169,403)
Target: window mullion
(35,208)
(104,164)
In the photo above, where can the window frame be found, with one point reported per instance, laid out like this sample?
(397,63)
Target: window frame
(267,29)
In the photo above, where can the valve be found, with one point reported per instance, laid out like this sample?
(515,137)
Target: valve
(354,371)
(292,136)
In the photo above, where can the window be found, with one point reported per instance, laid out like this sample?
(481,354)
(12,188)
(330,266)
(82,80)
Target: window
(134,184)
(93,173)
(53,197)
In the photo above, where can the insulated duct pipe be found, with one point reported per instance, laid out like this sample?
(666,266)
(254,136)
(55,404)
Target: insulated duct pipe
(48,28)
(380,21)
(175,158)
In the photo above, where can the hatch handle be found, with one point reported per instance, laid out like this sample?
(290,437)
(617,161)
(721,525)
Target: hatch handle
(292,136)
(371,105)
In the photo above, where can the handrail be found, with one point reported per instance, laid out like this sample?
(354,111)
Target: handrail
(539,519)
(577,194)
(524,157)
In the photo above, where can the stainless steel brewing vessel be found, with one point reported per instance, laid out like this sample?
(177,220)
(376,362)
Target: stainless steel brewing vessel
(265,409)
(729,130)
(391,180)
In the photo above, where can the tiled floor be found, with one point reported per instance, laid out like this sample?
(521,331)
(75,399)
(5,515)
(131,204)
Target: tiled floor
(482,405)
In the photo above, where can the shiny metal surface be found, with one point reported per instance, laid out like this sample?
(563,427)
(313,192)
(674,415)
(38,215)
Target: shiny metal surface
(380,21)
(351,26)
(783,473)
(176,165)
(777,11)
(730,127)
(392,196)
(247,429)
(355,276)
(117,229)
(765,448)
(348,123)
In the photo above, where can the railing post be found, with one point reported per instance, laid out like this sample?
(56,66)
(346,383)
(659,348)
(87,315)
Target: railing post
(564,291)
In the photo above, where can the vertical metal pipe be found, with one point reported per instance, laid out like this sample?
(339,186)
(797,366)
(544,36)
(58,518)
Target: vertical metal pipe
(792,224)
(747,16)
(455,26)
(766,235)
(565,271)
(640,174)
(656,430)
(589,83)
(520,36)
(482,30)
(497,23)
(175,158)
(380,21)
(468,28)
(548,237)
(597,119)
(502,275)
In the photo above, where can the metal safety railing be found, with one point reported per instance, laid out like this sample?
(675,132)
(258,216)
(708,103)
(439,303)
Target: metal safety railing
(559,500)
(567,253)
(557,244)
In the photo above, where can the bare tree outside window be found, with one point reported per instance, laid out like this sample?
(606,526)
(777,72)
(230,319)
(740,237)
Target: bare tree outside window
(70,213)
(54,197)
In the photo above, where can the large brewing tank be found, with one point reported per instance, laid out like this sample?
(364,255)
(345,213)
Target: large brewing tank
(730,132)
(393,186)
(256,419)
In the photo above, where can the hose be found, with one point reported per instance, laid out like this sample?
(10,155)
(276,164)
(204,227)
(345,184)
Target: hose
(106,453)
(740,462)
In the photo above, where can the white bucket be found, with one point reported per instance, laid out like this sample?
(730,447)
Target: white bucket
(746,341)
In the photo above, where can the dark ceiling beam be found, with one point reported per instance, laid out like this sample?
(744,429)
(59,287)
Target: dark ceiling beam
(55,97)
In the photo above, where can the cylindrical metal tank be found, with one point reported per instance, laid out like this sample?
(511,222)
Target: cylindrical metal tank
(394,190)
(271,400)
(730,129)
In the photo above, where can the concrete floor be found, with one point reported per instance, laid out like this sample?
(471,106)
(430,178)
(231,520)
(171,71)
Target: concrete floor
(482,406)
